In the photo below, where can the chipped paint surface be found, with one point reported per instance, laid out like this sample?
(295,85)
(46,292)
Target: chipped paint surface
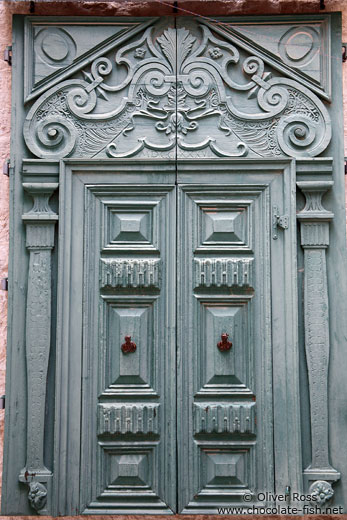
(119,8)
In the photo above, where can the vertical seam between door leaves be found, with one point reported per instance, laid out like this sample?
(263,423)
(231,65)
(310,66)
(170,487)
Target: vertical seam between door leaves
(177,287)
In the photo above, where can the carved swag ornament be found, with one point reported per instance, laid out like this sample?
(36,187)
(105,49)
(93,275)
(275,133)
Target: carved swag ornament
(168,89)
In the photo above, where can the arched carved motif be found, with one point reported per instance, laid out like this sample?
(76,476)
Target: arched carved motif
(183,89)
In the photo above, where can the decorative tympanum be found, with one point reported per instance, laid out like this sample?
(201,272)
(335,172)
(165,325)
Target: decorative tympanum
(184,88)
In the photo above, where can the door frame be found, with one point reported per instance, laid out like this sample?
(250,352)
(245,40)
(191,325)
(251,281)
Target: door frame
(67,427)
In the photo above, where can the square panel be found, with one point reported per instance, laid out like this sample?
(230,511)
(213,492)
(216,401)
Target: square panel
(226,469)
(128,468)
(127,473)
(130,223)
(224,225)
(130,226)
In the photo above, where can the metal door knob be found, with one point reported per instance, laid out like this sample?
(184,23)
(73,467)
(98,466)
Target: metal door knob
(128,346)
(224,344)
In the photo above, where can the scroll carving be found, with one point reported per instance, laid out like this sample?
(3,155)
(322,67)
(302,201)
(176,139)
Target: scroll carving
(40,223)
(315,239)
(178,86)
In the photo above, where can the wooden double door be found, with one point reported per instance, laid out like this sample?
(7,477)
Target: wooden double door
(181,341)
(155,274)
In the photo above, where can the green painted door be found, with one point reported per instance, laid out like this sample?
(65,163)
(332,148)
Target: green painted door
(172,332)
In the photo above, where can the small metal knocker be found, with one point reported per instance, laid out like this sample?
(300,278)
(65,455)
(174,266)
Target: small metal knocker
(128,346)
(224,344)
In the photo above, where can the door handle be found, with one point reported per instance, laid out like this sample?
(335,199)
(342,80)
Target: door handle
(129,346)
(224,344)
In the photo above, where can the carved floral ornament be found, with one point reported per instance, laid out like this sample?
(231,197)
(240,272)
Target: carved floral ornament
(184,89)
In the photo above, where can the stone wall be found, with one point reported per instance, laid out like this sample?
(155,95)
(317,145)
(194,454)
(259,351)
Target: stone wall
(118,8)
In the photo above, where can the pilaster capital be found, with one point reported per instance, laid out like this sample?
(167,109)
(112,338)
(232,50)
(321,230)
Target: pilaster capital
(40,220)
(314,217)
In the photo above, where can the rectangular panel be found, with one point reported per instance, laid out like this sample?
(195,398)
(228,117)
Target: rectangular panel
(220,272)
(129,301)
(128,418)
(224,417)
(129,273)
(124,373)
(225,369)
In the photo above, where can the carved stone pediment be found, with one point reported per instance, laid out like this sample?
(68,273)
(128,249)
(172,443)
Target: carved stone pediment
(186,91)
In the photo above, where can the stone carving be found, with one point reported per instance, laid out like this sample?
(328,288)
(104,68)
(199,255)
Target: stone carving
(299,45)
(55,47)
(224,418)
(223,272)
(37,495)
(130,273)
(301,50)
(321,491)
(131,418)
(315,239)
(177,87)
